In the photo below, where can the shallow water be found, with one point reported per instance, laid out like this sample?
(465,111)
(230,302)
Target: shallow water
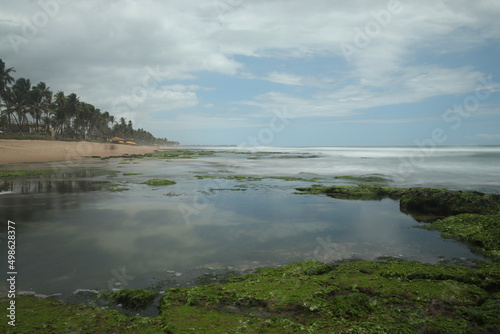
(72,233)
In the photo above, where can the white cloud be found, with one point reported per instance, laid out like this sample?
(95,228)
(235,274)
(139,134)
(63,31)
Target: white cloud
(489,136)
(151,54)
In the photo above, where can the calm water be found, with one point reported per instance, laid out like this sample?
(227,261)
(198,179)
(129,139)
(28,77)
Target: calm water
(72,233)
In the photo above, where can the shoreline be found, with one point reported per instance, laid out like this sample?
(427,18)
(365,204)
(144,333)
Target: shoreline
(24,151)
(342,296)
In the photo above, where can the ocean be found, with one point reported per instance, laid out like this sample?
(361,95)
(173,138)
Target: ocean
(232,210)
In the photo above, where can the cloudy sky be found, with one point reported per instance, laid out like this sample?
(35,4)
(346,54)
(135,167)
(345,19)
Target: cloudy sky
(271,72)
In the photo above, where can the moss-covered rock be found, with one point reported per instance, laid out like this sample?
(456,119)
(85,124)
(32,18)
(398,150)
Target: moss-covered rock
(370,178)
(482,232)
(133,298)
(159,182)
(448,202)
(42,316)
(361,191)
(354,297)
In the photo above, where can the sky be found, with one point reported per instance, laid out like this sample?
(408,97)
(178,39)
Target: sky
(271,72)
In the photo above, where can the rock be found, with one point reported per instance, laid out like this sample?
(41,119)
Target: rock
(26,293)
(41,296)
(178,274)
(85,290)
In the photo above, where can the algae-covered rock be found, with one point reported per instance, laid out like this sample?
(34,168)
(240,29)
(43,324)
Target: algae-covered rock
(448,202)
(159,182)
(353,297)
(361,191)
(479,231)
(133,298)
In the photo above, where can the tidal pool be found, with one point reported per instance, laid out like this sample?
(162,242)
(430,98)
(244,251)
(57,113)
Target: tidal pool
(73,233)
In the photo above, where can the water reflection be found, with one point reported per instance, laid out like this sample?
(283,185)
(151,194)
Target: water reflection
(73,235)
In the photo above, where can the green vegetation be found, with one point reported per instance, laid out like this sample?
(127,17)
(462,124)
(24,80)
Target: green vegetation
(41,316)
(363,178)
(113,173)
(281,155)
(361,191)
(357,297)
(116,189)
(200,177)
(481,232)
(20,173)
(24,137)
(386,296)
(132,298)
(291,178)
(253,178)
(449,202)
(182,154)
(131,174)
(159,182)
(7,174)
(421,200)
(36,111)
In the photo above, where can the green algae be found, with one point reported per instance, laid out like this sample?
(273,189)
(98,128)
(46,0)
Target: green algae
(132,298)
(389,296)
(361,191)
(449,202)
(35,315)
(159,182)
(113,173)
(116,189)
(253,178)
(131,174)
(482,232)
(360,297)
(25,173)
(363,178)
(419,200)
(182,154)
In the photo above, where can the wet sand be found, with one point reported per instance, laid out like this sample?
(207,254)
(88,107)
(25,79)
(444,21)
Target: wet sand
(18,151)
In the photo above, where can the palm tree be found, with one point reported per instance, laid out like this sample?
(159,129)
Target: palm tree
(112,120)
(72,108)
(41,98)
(59,110)
(18,102)
(5,80)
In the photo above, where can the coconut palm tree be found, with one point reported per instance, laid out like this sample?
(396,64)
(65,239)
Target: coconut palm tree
(59,113)
(73,108)
(5,78)
(18,102)
(41,98)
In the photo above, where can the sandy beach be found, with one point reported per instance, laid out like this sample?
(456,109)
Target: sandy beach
(16,151)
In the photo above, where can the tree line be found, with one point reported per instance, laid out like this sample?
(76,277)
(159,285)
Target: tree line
(34,109)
